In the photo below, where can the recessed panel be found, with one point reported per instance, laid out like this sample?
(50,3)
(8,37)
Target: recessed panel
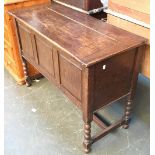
(45,55)
(113,78)
(26,42)
(70,76)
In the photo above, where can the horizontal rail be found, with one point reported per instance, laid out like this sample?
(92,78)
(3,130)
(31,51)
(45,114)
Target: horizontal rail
(107,130)
(98,121)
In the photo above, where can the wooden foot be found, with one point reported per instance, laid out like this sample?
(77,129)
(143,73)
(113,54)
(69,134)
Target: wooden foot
(126,126)
(28,84)
(127,114)
(25,69)
(87,138)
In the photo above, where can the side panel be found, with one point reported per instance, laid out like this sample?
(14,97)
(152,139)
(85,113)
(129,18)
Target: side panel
(113,78)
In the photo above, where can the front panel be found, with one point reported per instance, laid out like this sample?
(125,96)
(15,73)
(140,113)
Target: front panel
(70,76)
(26,40)
(50,61)
(45,56)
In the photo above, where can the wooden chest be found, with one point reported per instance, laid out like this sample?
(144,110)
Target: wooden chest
(12,58)
(92,62)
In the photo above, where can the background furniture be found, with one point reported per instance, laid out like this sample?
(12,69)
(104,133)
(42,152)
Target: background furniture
(133,16)
(82,4)
(12,60)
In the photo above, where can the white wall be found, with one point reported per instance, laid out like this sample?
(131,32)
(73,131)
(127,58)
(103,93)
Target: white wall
(105,3)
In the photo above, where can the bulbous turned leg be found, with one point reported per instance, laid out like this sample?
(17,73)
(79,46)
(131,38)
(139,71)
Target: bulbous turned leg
(25,69)
(87,137)
(127,114)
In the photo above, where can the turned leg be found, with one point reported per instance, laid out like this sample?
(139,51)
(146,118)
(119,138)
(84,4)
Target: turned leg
(138,57)
(25,69)
(87,137)
(127,113)
(87,104)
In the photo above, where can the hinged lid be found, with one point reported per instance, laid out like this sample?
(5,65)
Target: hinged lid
(83,37)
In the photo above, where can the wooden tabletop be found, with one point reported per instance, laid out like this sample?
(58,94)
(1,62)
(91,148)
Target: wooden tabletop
(83,37)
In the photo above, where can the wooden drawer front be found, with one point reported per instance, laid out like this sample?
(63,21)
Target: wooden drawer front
(8,49)
(6,35)
(27,39)
(45,56)
(113,78)
(10,64)
(70,76)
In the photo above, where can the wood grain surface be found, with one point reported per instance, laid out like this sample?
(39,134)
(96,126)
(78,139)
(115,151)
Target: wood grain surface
(92,62)
(81,36)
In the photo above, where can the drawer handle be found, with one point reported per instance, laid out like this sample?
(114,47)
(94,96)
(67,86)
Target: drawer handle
(104,67)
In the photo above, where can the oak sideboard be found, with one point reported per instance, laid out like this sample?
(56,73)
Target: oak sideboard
(92,62)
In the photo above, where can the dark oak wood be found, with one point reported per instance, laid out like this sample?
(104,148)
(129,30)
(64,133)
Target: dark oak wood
(24,62)
(107,130)
(83,4)
(26,75)
(98,121)
(75,3)
(91,4)
(127,113)
(45,61)
(87,137)
(117,74)
(77,34)
(70,76)
(136,68)
(87,105)
(92,62)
